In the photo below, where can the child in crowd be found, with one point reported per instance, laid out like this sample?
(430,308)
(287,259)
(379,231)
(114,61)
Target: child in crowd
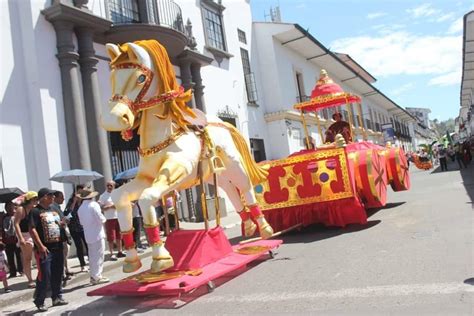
(4,268)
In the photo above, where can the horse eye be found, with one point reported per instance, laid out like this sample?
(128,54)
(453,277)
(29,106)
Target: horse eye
(141,79)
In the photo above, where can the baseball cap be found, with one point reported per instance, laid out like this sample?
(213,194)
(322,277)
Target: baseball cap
(44,191)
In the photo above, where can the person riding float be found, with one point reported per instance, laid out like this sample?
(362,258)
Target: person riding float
(338,127)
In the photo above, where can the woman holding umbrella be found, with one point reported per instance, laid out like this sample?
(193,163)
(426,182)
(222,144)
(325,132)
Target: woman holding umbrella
(75,227)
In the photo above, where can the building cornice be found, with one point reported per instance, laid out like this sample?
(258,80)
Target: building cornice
(79,17)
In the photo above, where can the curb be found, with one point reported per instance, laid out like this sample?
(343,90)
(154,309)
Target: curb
(5,302)
(78,279)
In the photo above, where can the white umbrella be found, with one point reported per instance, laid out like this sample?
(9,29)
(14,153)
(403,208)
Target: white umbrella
(127,174)
(76,176)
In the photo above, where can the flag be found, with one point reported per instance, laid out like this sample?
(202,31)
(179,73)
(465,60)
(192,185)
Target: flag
(448,137)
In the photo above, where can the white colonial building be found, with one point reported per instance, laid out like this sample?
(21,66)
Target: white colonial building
(287,61)
(56,78)
(421,128)
(465,120)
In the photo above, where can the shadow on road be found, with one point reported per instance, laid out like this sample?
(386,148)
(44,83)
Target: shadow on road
(141,304)
(468,180)
(469,281)
(371,212)
(319,232)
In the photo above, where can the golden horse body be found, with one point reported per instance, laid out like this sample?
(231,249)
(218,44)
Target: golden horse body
(145,95)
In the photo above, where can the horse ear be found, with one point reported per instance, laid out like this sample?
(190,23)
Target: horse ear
(112,50)
(140,54)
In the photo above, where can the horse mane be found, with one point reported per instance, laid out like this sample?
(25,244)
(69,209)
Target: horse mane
(177,108)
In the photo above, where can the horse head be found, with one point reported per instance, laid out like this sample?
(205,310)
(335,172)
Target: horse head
(142,78)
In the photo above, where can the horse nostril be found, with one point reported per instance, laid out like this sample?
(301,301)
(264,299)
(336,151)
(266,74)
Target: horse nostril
(126,119)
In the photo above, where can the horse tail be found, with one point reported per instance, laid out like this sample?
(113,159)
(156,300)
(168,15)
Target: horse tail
(256,173)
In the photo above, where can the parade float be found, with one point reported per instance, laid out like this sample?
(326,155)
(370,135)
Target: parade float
(179,148)
(335,183)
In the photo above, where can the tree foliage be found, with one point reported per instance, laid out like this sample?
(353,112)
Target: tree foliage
(441,127)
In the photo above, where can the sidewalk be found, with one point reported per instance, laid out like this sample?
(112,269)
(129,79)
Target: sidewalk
(19,285)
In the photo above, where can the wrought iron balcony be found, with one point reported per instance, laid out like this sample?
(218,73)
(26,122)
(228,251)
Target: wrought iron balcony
(153,19)
(160,12)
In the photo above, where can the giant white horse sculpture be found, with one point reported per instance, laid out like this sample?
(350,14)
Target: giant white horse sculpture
(145,94)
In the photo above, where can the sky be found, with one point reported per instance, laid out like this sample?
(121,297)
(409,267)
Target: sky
(413,48)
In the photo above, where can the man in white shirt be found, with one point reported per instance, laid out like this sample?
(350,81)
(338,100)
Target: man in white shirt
(92,220)
(112,227)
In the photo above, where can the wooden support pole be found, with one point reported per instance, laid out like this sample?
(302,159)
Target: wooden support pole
(320,131)
(203,197)
(176,214)
(305,128)
(216,202)
(349,111)
(361,121)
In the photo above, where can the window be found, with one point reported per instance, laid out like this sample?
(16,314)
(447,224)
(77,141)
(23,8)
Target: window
(355,122)
(298,136)
(301,97)
(258,149)
(242,36)
(124,154)
(345,116)
(250,84)
(124,11)
(368,124)
(213,28)
(326,113)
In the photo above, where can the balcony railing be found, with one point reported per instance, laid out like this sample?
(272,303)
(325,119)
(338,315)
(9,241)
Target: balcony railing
(160,12)
(167,13)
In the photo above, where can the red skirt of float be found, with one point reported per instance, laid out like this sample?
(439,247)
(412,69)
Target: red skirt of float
(311,186)
(200,256)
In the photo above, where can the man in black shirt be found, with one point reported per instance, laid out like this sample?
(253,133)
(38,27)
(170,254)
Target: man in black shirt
(45,228)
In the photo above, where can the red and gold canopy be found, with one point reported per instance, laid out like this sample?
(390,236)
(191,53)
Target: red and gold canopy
(326,94)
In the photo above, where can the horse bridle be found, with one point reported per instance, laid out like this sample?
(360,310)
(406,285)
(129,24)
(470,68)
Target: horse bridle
(139,104)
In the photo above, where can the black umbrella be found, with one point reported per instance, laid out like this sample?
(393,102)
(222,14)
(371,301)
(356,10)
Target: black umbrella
(8,194)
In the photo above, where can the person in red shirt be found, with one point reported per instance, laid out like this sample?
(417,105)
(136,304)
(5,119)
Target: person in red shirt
(338,127)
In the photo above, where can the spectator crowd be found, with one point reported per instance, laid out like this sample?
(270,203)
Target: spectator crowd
(36,230)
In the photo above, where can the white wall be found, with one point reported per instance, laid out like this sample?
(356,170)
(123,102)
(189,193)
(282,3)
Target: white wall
(279,144)
(224,83)
(33,142)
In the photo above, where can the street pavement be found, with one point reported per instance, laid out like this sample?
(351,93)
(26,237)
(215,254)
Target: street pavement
(414,257)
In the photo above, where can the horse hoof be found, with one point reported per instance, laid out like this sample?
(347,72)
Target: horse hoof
(131,266)
(266,231)
(249,228)
(159,265)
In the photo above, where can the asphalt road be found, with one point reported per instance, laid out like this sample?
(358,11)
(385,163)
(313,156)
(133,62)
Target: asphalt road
(415,257)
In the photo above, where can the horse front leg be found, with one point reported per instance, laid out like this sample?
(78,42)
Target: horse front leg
(122,199)
(169,177)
